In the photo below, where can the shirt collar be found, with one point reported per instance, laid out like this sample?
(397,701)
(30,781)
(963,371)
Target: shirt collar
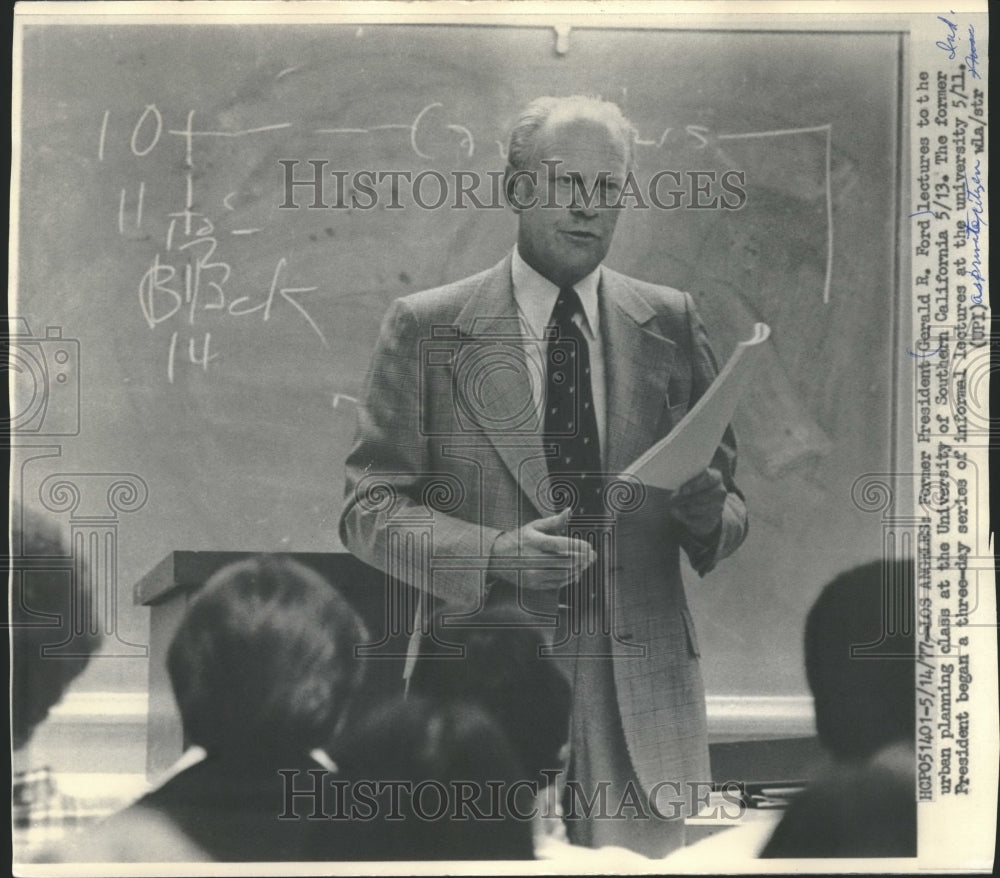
(536,295)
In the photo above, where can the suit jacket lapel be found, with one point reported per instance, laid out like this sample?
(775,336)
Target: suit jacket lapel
(495,390)
(493,385)
(638,362)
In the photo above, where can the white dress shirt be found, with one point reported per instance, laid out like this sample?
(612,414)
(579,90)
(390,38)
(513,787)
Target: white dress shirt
(535,297)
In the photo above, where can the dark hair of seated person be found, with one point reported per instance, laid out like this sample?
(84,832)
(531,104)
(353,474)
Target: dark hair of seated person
(501,668)
(49,594)
(263,670)
(459,749)
(860,663)
(859,655)
(263,662)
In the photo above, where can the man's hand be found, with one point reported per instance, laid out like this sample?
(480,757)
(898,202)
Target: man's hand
(698,503)
(544,542)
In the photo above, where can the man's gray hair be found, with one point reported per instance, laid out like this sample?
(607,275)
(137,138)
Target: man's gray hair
(522,146)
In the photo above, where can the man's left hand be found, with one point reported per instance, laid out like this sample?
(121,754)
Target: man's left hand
(698,503)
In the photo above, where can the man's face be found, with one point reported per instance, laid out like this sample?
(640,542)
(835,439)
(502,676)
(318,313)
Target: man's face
(567,242)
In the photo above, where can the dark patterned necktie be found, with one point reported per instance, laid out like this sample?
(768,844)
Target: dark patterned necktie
(570,419)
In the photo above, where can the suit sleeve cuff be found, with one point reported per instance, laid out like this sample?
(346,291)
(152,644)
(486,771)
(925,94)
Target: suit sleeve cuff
(704,552)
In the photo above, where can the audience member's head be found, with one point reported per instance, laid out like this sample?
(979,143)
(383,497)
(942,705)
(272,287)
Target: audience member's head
(452,778)
(263,662)
(859,645)
(48,595)
(860,665)
(263,669)
(502,671)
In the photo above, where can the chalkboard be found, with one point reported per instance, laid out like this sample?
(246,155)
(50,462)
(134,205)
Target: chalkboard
(222,339)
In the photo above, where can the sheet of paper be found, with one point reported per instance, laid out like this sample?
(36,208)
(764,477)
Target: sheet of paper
(689,447)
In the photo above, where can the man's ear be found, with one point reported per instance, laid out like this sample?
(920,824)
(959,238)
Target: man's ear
(518,188)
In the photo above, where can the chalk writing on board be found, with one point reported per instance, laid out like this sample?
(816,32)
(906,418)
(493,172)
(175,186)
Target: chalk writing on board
(194,357)
(288,294)
(201,284)
(139,131)
(467,141)
(696,131)
(343,397)
(140,197)
(103,135)
(189,134)
(188,278)
(828,185)
(148,130)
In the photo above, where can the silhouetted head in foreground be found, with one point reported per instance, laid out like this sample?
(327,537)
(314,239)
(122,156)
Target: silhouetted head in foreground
(503,672)
(860,665)
(859,647)
(50,646)
(263,662)
(449,780)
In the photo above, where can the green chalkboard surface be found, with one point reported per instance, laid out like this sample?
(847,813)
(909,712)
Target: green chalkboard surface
(222,339)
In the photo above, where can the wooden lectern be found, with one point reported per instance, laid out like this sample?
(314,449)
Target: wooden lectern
(387,607)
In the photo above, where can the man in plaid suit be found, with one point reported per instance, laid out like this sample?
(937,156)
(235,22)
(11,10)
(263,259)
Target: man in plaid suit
(455,483)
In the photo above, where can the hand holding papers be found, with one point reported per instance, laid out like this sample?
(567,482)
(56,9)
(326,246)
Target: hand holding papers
(687,449)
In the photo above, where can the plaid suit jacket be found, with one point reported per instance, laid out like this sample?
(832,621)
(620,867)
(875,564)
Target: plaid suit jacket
(450,453)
